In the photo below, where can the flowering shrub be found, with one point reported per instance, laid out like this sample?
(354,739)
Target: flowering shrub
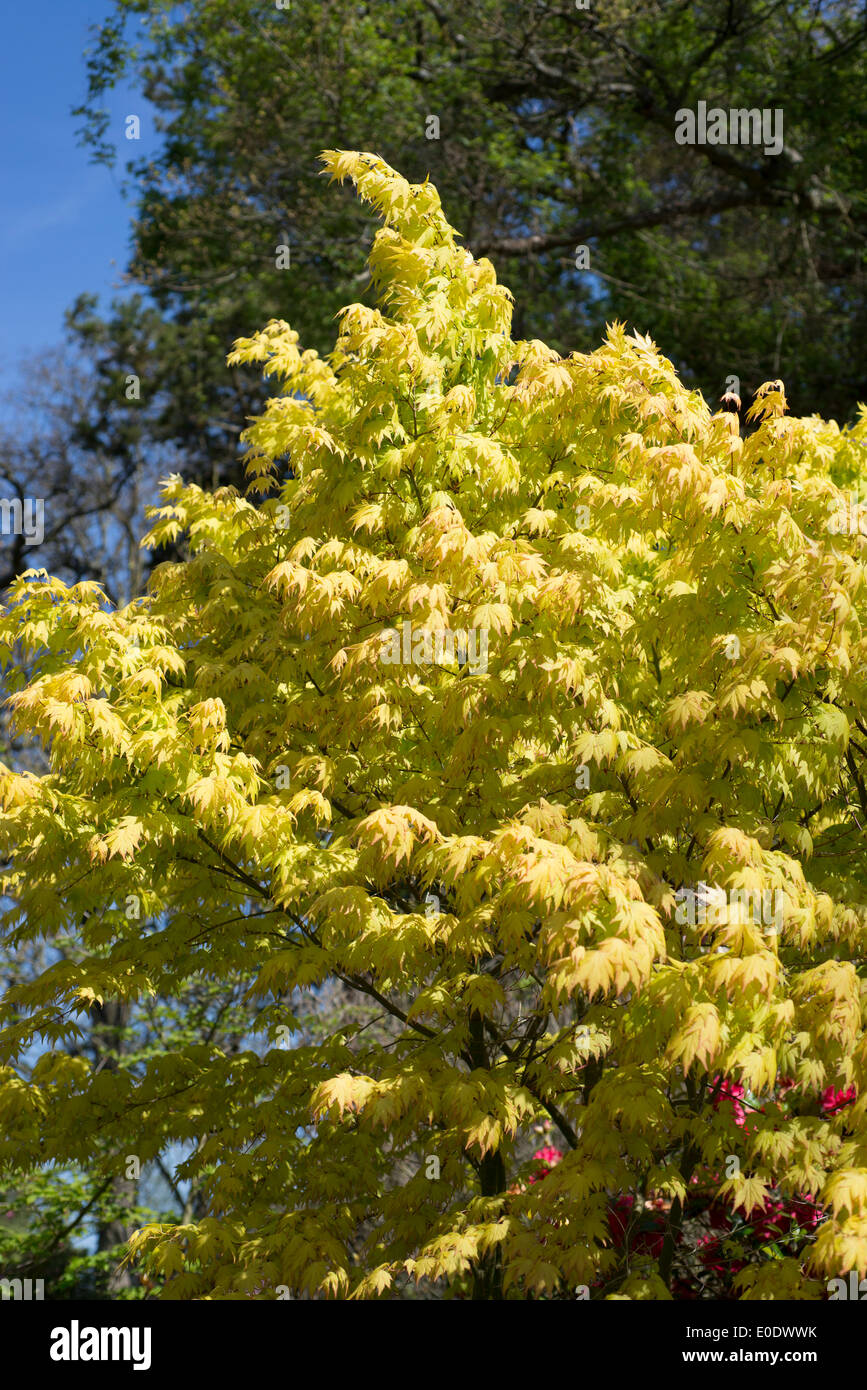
(715,1243)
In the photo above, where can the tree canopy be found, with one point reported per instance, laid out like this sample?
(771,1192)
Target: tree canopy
(629,667)
(547,128)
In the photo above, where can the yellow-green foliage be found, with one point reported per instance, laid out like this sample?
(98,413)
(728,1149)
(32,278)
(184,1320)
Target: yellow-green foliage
(428,839)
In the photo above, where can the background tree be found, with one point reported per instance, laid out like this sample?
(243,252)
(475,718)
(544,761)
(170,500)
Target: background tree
(55,448)
(555,145)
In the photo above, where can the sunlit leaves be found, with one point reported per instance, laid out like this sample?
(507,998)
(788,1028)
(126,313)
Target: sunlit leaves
(658,702)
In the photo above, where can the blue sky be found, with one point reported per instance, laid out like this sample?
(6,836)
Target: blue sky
(64,225)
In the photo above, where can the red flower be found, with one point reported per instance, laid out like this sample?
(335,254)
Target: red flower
(807,1212)
(714,1258)
(733,1091)
(548,1156)
(832,1100)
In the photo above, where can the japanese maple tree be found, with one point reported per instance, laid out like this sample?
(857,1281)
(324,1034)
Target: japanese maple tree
(630,669)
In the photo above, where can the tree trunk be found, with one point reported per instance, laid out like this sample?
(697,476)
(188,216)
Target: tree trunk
(110,1020)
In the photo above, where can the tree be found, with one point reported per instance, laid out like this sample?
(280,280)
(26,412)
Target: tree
(523,697)
(551,132)
(75,494)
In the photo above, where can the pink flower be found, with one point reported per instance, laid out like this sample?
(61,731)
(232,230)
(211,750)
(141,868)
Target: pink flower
(832,1100)
(733,1091)
(549,1156)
